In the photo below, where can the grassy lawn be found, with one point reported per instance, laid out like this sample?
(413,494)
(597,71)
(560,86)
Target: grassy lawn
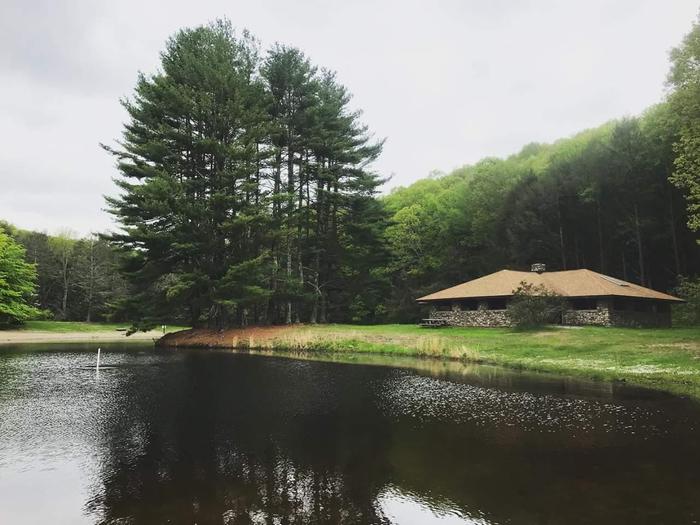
(663,358)
(77,326)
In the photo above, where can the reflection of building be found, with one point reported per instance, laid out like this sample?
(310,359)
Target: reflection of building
(592,298)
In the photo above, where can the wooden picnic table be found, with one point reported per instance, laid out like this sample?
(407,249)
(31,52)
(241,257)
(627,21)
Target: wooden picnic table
(433,323)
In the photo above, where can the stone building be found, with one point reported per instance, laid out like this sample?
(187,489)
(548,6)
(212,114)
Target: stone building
(592,299)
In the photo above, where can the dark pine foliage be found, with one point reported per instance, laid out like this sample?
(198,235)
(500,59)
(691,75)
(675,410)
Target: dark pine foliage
(245,195)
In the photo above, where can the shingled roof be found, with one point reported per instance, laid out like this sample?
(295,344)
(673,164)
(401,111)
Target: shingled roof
(568,283)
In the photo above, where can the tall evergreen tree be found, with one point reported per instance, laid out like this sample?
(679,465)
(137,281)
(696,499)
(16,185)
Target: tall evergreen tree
(187,157)
(239,179)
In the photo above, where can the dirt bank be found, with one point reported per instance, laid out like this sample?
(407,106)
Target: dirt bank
(230,338)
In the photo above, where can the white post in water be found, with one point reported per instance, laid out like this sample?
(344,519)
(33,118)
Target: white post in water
(97,367)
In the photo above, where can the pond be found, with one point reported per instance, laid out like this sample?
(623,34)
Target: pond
(218,437)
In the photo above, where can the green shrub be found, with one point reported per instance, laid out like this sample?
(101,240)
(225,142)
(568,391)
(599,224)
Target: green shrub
(533,306)
(17,284)
(687,314)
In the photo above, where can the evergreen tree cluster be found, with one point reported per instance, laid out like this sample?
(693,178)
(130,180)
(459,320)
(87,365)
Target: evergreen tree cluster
(246,195)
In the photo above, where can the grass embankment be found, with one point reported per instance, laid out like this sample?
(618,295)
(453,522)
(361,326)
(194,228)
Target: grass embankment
(71,331)
(69,326)
(661,358)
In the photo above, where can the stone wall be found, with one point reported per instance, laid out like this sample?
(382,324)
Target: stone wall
(611,317)
(485,318)
(597,317)
(603,315)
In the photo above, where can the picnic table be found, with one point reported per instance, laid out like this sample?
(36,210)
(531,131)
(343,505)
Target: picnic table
(433,323)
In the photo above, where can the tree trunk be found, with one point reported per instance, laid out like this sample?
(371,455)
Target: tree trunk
(640,248)
(323,315)
(290,214)
(64,297)
(272,312)
(601,249)
(300,259)
(674,237)
(320,204)
(64,300)
(562,245)
(92,277)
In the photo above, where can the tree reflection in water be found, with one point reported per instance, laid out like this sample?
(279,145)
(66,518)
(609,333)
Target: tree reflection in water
(204,437)
(227,439)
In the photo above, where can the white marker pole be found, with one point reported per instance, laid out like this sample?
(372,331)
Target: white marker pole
(97,368)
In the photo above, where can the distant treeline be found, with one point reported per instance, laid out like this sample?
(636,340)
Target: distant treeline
(78,279)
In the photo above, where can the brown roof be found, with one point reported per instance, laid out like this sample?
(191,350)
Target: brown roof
(568,283)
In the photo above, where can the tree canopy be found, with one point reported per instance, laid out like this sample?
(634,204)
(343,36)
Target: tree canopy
(245,192)
(684,79)
(17,283)
(602,199)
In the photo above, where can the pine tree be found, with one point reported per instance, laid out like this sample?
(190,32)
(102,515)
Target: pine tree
(241,184)
(187,161)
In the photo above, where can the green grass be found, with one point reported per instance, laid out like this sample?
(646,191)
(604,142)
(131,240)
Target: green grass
(76,326)
(663,358)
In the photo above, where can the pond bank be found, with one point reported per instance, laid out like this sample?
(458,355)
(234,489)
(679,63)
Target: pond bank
(12,337)
(75,332)
(667,359)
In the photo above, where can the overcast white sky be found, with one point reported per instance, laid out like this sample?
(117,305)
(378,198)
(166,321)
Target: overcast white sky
(446,81)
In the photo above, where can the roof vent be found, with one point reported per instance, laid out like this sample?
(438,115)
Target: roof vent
(538,267)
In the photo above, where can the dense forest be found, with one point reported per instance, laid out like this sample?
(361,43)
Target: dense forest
(246,195)
(77,279)
(600,200)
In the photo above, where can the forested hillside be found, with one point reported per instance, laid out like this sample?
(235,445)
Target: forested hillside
(600,200)
(622,199)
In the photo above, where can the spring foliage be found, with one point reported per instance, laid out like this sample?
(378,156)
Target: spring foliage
(684,79)
(533,306)
(17,283)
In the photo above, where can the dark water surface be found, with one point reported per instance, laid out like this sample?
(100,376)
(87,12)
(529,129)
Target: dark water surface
(205,437)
